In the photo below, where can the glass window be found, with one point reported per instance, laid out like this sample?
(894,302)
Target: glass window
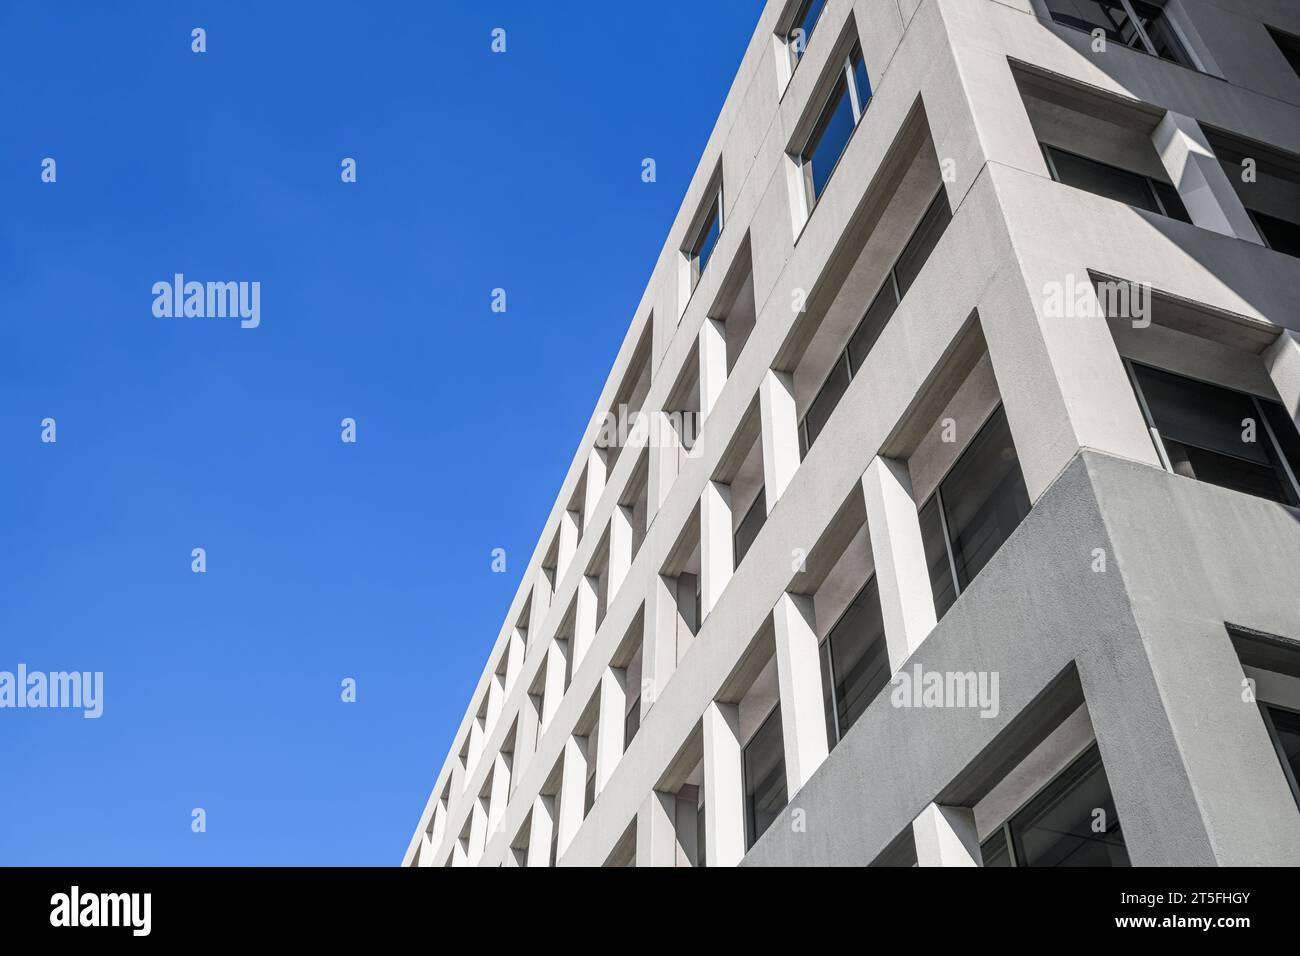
(984,498)
(1290,47)
(1114,183)
(704,243)
(1285,729)
(855,661)
(764,761)
(1214,435)
(873,323)
(937,560)
(631,723)
(829,396)
(922,243)
(861,82)
(1119,20)
(828,140)
(749,527)
(977,506)
(802,29)
(1284,431)
(1062,825)
(1281,236)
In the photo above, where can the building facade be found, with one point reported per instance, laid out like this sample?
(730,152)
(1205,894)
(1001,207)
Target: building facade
(941,505)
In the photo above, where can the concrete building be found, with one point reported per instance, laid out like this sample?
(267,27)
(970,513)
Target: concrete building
(948,515)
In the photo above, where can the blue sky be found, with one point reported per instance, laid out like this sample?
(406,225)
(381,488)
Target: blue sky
(325,560)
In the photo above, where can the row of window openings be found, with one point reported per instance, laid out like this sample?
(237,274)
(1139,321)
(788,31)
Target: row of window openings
(817,160)
(1153,195)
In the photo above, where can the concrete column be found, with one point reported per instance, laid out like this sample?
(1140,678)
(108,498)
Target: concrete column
(496,693)
(557,664)
(716,554)
(584,618)
(500,793)
(659,640)
(1201,182)
(612,712)
(475,745)
(540,829)
(620,549)
(799,676)
(530,718)
(595,484)
(780,427)
(516,648)
(427,848)
(902,577)
(724,787)
(573,792)
(665,458)
(434,836)
(478,829)
(656,830)
(570,523)
(945,836)
(713,365)
(459,857)
(1283,361)
(688,827)
(541,602)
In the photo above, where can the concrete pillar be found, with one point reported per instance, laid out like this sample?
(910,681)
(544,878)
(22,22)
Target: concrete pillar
(427,848)
(620,550)
(902,577)
(780,427)
(665,458)
(573,793)
(946,836)
(478,829)
(516,648)
(717,557)
(557,664)
(595,484)
(496,693)
(656,830)
(1283,361)
(500,793)
(584,618)
(1201,182)
(476,734)
(434,835)
(526,731)
(799,676)
(612,712)
(713,365)
(540,829)
(724,787)
(570,522)
(540,602)
(689,851)
(459,856)
(659,640)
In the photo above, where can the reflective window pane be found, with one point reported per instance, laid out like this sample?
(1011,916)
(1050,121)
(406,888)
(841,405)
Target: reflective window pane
(804,23)
(1286,730)
(923,241)
(1060,826)
(936,557)
(829,138)
(859,657)
(1101,179)
(749,527)
(708,237)
(861,82)
(764,763)
(993,851)
(1164,41)
(984,498)
(1281,236)
(1172,202)
(872,324)
(829,396)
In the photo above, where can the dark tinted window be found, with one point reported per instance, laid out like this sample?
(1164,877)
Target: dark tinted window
(1073,822)
(1284,430)
(1286,736)
(984,498)
(631,723)
(873,323)
(936,557)
(1102,179)
(857,658)
(1290,47)
(923,241)
(1280,235)
(1205,430)
(764,761)
(1171,201)
(829,396)
(749,527)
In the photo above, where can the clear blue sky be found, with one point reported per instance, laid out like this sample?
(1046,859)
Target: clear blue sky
(325,560)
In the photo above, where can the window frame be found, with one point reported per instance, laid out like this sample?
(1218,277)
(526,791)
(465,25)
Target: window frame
(796,22)
(826,647)
(1279,453)
(803,157)
(710,212)
(1265,709)
(752,833)
(1161,209)
(1188,59)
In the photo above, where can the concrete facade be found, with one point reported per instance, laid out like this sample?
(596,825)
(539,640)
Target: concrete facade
(640,657)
